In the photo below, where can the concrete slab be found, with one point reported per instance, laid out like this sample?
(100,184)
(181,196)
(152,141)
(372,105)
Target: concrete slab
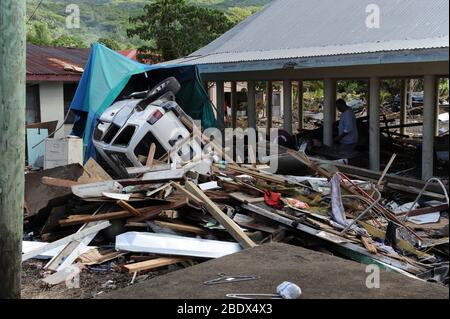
(319,275)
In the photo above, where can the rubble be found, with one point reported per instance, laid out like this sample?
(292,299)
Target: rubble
(175,216)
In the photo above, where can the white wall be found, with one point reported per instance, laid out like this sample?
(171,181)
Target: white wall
(51,96)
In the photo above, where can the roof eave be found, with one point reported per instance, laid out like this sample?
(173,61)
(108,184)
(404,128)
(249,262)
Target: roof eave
(53,78)
(344,60)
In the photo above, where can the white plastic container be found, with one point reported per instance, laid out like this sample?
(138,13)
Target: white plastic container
(63,151)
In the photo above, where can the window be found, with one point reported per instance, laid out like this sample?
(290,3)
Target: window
(69,93)
(33,111)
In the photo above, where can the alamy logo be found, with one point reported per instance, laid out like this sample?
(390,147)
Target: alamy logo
(373,19)
(373,279)
(73,17)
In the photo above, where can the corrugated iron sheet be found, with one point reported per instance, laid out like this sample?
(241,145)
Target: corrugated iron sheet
(303,28)
(55,61)
(388,46)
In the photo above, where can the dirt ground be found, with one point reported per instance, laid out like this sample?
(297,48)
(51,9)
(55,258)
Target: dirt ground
(319,275)
(94,281)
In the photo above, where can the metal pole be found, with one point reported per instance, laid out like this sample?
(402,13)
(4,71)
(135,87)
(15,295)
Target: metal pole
(429,113)
(233,104)
(287,102)
(300,105)
(251,104)
(403,102)
(12,143)
(436,119)
(329,110)
(269,90)
(220,104)
(374,124)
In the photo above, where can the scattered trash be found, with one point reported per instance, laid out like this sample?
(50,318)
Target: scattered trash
(224,279)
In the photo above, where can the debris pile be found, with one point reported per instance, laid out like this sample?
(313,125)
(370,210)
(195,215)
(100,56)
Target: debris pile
(79,217)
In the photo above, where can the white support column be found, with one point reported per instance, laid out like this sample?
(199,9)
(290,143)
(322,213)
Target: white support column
(436,119)
(269,90)
(220,104)
(251,104)
(233,104)
(287,99)
(329,110)
(300,106)
(403,102)
(429,114)
(374,124)
(51,99)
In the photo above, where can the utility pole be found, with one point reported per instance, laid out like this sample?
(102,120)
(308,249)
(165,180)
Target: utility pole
(12,144)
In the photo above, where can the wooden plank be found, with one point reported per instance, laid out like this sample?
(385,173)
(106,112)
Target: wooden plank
(181,227)
(415,191)
(59,182)
(93,173)
(72,250)
(95,257)
(150,212)
(192,197)
(144,169)
(151,155)
(244,198)
(128,207)
(405,181)
(65,240)
(369,246)
(426,210)
(234,230)
(164,175)
(81,219)
(266,177)
(152,264)
(386,169)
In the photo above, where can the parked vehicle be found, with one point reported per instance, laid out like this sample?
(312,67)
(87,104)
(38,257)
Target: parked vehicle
(125,131)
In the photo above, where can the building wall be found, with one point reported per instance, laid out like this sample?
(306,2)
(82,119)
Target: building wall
(51,98)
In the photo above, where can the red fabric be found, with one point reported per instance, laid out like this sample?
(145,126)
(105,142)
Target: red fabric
(273,199)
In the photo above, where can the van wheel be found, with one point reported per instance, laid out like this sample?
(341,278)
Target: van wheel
(168,85)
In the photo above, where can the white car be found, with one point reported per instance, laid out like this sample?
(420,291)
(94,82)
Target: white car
(125,131)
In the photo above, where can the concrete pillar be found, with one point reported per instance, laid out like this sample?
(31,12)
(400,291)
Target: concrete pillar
(269,91)
(51,99)
(300,105)
(329,110)
(403,103)
(220,104)
(429,113)
(251,104)
(374,124)
(436,119)
(233,104)
(287,99)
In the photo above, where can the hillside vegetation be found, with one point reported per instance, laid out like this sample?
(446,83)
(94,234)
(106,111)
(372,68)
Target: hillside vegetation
(109,19)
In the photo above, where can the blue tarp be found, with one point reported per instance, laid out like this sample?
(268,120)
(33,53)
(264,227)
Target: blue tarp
(107,73)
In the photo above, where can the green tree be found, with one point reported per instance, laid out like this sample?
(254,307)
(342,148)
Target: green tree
(110,43)
(175,29)
(39,34)
(68,41)
(238,14)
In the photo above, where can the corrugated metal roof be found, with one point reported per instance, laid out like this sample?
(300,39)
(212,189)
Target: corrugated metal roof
(55,61)
(396,45)
(305,28)
(60,64)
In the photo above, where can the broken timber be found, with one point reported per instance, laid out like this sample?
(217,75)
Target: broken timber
(152,264)
(234,230)
(351,250)
(77,236)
